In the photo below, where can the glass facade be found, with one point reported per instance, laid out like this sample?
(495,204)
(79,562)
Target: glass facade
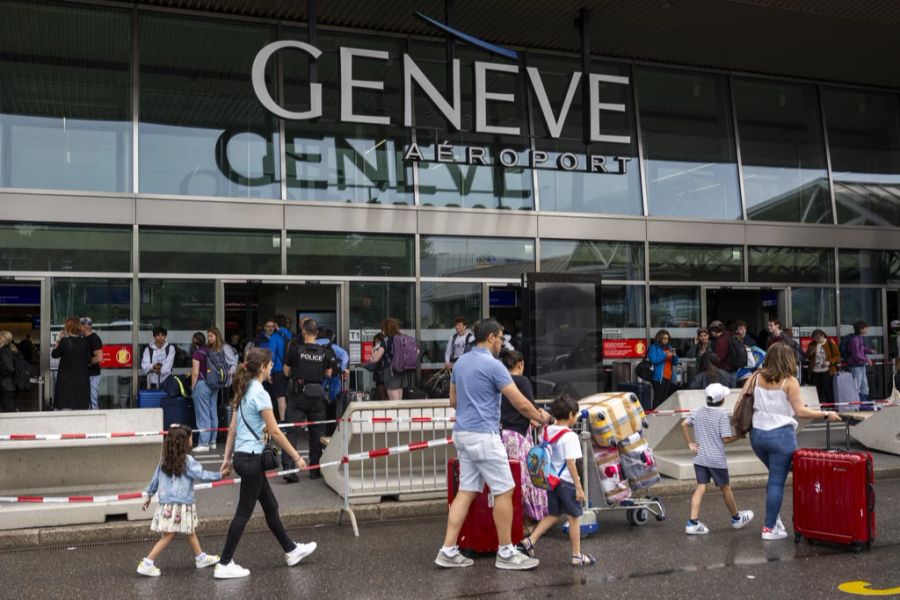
(787,265)
(210,251)
(611,260)
(482,258)
(683,262)
(42,247)
(350,254)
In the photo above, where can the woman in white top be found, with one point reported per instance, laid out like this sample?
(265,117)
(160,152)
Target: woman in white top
(251,417)
(776,401)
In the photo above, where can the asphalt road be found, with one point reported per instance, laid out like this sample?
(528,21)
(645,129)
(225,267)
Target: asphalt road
(394,560)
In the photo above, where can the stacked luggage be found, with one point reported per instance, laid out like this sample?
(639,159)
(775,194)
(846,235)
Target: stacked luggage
(624,461)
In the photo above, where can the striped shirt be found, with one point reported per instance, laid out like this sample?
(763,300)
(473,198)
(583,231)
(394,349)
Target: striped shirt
(710,425)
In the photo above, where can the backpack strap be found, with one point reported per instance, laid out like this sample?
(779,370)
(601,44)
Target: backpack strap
(556,437)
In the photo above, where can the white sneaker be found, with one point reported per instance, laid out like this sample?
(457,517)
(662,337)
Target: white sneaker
(212,446)
(230,571)
(779,526)
(207,561)
(148,570)
(773,534)
(299,552)
(744,517)
(201,449)
(698,529)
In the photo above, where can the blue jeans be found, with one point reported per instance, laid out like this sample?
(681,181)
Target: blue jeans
(95,392)
(205,411)
(775,448)
(862,385)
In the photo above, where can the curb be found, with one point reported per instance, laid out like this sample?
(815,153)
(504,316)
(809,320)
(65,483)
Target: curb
(24,539)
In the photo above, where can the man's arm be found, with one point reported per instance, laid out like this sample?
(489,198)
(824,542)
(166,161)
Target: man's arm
(521,403)
(453,395)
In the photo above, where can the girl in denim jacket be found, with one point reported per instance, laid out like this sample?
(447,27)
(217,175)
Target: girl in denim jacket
(174,479)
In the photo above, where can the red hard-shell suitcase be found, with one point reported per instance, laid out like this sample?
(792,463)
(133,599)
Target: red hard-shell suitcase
(834,496)
(478,533)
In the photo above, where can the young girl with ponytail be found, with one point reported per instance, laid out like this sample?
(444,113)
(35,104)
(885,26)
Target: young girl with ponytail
(252,417)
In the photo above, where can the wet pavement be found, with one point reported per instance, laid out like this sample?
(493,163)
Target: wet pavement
(394,560)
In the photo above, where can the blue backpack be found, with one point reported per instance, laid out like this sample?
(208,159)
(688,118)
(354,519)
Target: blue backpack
(538,460)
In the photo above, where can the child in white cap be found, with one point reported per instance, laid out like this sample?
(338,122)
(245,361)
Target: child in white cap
(712,430)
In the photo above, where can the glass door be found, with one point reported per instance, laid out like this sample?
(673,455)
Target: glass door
(21,302)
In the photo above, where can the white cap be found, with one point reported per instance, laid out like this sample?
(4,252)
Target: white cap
(895,324)
(716,392)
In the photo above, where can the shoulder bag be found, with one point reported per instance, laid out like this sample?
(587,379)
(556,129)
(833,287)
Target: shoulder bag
(742,419)
(269,457)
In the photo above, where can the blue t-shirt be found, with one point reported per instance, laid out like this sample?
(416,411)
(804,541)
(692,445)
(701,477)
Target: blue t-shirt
(255,399)
(479,377)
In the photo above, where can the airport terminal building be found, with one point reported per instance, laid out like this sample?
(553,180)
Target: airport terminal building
(186,163)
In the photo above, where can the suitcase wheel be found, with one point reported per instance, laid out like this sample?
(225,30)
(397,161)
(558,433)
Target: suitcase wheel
(637,516)
(797,537)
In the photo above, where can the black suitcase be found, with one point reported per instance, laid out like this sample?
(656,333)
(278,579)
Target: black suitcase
(410,393)
(336,409)
(643,391)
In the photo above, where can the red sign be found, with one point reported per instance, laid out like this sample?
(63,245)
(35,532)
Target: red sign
(116,356)
(805,341)
(366,351)
(632,348)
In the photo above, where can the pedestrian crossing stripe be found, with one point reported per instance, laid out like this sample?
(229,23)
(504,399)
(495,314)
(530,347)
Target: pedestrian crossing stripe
(864,588)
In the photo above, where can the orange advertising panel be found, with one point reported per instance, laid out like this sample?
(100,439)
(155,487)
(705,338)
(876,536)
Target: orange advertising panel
(628,348)
(116,356)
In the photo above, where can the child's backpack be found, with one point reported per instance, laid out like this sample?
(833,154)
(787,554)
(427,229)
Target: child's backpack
(405,355)
(217,372)
(539,463)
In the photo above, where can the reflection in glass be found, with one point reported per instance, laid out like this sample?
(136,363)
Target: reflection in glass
(483,258)
(866,266)
(612,260)
(863,304)
(676,309)
(690,262)
(688,144)
(39,247)
(65,98)
(788,265)
(813,308)
(441,304)
(782,151)
(203,131)
(210,251)
(864,139)
(350,254)
(623,308)
(181,306)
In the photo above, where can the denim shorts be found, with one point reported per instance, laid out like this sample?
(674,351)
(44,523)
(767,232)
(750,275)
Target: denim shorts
(704,474)
(561,501)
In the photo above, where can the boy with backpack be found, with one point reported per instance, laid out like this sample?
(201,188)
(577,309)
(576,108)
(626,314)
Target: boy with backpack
(712,430)
(565,496)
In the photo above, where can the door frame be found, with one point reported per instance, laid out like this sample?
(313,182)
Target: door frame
(44,338)
(784,299)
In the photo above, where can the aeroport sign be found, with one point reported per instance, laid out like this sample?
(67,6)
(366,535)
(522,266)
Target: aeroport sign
(450,107)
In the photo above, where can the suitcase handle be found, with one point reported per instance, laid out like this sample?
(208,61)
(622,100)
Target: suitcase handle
(846,422)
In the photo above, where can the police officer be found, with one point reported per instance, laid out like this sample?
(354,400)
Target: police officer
(307,366)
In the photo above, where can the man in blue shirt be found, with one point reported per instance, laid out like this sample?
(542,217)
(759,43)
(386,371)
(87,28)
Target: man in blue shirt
(476,385)
(333,383)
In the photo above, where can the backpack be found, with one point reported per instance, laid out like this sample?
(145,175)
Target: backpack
(23,373)
(470,342)
(405,353)
(845,345)
(217,372)
(168,348)
(538,461)
(737,352)
(176,386)
(644,370)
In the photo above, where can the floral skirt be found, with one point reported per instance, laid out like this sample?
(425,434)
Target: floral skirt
(175,518)
(535,499)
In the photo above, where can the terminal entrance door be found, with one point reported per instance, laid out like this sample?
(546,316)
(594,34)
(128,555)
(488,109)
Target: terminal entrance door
(504,303)
(562,333)
(20,314)
(754,306)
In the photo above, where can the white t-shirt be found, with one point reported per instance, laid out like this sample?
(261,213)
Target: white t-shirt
(566,447)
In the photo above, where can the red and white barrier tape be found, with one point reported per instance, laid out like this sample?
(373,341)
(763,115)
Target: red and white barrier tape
(358,456)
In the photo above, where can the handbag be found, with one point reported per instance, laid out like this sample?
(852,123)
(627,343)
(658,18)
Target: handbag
(742,419)
(269,457)
(644,370)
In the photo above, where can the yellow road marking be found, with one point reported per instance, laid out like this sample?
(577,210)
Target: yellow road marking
(864,588)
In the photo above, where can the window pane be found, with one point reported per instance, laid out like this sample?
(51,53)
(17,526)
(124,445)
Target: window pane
(864,266)
(676,309)
(65,97)
(181,306)
(441,304)
(813,308)
(108,303)
(681,262)
(864,139)
(863,304)
(789,265)
(36,247)
(346,162)
(210,251)
(612,260)
(624,317)
(503,258)
(688,144)
(203,131)
(782,151)
(350,254)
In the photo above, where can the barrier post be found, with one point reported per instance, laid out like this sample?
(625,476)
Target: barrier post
(345,441)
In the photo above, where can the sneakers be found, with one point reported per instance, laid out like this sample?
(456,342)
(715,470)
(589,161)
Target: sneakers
(698,529)
(148,569)
(779,526)
(212,446)
(200,449)
(744,517)
(449,562)
(230,571)
(773,534)
(516,562)
(207,561)
(299,552)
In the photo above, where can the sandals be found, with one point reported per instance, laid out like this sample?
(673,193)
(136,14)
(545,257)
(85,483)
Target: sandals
(585,560)
(526,546)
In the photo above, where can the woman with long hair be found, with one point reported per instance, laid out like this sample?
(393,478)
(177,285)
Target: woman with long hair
(516,435)
(393,382)
(663,358)
(73,381)
(202,395)
(8,353)
(773,437)
(824,359)
(252,419)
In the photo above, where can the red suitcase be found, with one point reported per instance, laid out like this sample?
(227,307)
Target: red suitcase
(834,495)
(478,533)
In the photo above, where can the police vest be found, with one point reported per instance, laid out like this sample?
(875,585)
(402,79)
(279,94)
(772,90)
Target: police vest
(310,362)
